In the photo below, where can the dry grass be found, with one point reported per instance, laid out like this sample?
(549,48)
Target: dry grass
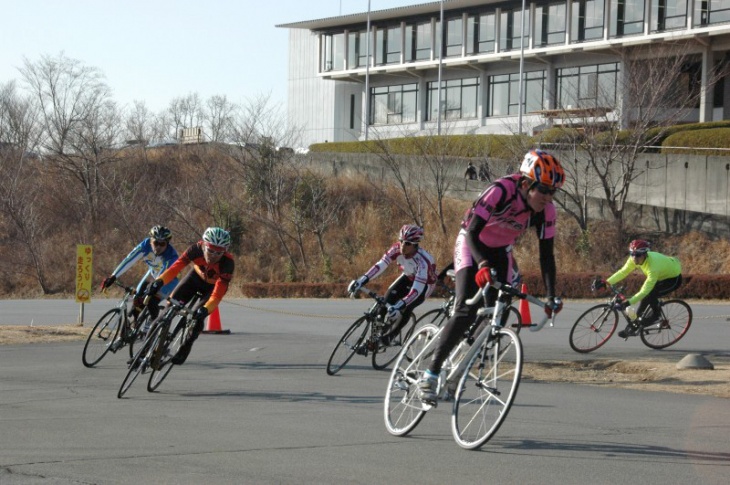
(26,334)
(640,375)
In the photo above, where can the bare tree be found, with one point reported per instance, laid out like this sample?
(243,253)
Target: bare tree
(219,116)
(81,122)
(20,190)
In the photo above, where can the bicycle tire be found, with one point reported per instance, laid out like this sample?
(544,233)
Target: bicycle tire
(516,324)
(437,317)
(487,390)
(403,410)
(382,358)
(134,336)
(101,337)
(348,344)
(174,341)
(593,328)
(673,324)
(141,360)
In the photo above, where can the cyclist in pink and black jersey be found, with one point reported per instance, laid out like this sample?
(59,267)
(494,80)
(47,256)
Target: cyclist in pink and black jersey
(504,211)
(412,287)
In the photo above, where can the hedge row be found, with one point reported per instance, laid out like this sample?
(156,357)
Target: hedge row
(713,137)
(472,146)
(700,135)
(578,285)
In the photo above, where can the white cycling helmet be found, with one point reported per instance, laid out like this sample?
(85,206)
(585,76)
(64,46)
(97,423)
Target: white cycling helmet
(215,236)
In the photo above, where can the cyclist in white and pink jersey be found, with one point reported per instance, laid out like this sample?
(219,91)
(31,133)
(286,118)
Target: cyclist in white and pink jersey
(412,287)
(505,210)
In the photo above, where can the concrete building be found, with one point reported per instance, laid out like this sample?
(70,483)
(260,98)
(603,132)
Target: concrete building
(572,59)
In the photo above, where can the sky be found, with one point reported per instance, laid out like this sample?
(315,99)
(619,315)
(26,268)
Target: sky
(157,50)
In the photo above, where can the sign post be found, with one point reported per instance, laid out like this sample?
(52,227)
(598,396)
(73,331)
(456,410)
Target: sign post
(84,257)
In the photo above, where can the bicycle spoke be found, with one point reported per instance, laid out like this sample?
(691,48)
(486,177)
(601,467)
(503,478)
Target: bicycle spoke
(593,328)
(102,337)
(487,390)
(403,409)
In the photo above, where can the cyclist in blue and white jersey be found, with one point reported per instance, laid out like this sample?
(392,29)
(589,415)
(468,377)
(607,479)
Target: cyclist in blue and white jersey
(158,254)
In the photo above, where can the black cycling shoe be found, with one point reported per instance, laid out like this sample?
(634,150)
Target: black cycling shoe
(629,331)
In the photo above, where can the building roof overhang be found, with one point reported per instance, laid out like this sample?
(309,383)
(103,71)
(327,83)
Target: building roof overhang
(389,13)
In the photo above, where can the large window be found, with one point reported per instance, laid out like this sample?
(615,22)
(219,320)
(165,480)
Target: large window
(388,45)
(333,52)
(356,49)
(393,104)
(550,22)
(510,25)
(418,42)
(459,99)
(668,14)
(504,93)
(480,34)
(587,20)
(711,12)
(454,38)
(627,17)
(587,86)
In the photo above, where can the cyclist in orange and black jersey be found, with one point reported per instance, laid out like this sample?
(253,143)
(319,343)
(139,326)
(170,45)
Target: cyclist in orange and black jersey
(212,272)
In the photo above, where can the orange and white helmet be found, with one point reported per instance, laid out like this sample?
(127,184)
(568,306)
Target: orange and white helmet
(543,168)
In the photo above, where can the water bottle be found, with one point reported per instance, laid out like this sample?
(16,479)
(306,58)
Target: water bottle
(631,312)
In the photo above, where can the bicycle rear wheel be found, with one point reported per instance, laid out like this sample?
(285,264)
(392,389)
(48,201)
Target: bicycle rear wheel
(141,359)
(487,389)
(437,317)
(101,337)
(403,409)
(671,326)
(593,328)
(352,340)
(174,341)
(385,356)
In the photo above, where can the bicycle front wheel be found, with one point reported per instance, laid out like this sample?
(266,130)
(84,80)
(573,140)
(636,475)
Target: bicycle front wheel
(671,326)
(134,337)
(141,359)
(103,334)
(352,341)
(487,389)
(403,409)
(385,356)
(164,364)
(593,328)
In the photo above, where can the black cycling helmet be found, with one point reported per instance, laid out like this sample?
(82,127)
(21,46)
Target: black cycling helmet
(160,233)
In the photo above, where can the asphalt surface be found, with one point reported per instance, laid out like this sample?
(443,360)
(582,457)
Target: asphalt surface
(256,406)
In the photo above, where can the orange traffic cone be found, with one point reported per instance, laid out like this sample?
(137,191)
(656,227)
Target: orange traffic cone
(213,323)
(525,309)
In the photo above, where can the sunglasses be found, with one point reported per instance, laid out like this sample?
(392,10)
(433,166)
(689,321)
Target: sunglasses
(636,253)
(545,190)
(159,243)
(407,243)
(214,250)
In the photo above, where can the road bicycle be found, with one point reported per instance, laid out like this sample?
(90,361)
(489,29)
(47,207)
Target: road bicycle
(115,329)
(165,338)
(364,337)
(482,373)
(439,315)
(596,325)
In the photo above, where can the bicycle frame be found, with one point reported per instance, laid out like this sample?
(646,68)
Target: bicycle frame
(454,365)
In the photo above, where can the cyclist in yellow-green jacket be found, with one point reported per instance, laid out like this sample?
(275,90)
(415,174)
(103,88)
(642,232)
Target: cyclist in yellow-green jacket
(663,275)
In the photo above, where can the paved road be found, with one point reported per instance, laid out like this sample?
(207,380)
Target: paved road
(256,406)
